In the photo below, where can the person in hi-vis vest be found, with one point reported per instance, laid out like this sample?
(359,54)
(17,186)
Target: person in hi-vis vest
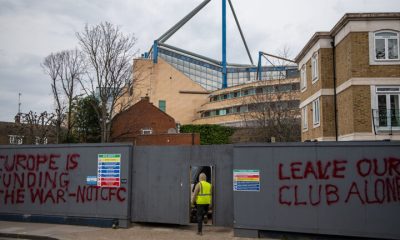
(202,197)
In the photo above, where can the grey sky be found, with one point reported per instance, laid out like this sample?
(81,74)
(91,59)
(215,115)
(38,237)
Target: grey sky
(32,29)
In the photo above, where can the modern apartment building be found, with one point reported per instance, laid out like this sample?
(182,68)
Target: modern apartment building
(350,80)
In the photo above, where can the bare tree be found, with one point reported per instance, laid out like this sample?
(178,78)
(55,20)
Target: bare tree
(274,108)
(65,69)
(72,68)
(52,66)
(36,128)
(109,55)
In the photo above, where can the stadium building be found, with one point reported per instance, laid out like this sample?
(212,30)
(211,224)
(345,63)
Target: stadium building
(195,89)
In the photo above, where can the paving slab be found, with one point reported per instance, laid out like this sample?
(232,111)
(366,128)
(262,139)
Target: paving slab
(136,231)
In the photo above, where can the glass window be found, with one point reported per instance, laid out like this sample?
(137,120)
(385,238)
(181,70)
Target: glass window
(162,105)
(252,76)
(303,77)
(387,46)
(147,131)
(314,67)
(15,139)
(316,112)
(304,118)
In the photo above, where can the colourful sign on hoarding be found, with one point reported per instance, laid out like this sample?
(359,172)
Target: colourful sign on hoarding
(109,170)
(246,180)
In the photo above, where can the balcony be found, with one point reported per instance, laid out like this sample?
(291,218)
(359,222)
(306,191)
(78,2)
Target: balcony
(386,121)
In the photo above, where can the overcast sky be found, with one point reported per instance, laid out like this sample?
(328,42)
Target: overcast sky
(32,29)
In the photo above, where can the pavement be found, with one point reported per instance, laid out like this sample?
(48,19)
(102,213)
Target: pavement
(28,230)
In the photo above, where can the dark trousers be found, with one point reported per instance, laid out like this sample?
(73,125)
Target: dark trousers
(202,209)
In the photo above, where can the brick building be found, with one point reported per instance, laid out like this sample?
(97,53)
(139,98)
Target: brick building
(145,124)
(350,80)
(15,133)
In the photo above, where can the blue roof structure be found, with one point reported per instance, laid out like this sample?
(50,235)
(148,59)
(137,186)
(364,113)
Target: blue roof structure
(210,73)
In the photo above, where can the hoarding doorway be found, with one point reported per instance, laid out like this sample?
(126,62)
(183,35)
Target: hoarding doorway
(195,172)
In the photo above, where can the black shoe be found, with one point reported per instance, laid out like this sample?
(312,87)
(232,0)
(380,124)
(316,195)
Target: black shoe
(199,233)
(205,220)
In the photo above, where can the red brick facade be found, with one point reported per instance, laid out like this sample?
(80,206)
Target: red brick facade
(145,124)
(140,117)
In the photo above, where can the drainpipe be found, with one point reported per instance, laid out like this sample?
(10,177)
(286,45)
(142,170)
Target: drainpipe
(334,88)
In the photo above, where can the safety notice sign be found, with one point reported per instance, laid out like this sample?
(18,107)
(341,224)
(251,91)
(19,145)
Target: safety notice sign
(246,180)
(109,170)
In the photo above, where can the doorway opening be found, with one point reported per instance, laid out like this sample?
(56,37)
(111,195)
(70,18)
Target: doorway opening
(195,172)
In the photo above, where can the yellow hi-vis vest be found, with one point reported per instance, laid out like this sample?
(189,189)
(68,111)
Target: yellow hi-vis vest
(204,195)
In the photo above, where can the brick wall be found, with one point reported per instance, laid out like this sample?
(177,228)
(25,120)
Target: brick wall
(360,59)
(168,139)
(327,116)
(362,108)
(345,112)
(354,110)
(343,60)
(162,81)
(327,120)
(352,60)
(325,66)
(311,88)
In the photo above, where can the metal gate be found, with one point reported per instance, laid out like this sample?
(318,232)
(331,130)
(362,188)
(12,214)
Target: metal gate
(159,188)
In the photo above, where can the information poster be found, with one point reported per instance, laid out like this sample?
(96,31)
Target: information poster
(109,170)
(246,180)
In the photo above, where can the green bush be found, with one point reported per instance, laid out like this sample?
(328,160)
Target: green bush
(210,134)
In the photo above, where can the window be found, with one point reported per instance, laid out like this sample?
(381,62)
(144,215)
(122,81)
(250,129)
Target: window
(15,139)
(303,78)
(304,118)
(386,45)
(162,105)
(39,140)
(316,113)
(147,131)
(387,114)
(314,67)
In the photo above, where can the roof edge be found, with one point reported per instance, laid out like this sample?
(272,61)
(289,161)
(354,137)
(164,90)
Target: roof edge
(362,17)
(341,23)
(314,39)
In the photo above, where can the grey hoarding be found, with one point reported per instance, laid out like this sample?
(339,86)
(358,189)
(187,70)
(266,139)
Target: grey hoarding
(88,181)
(161,183)
(331,188)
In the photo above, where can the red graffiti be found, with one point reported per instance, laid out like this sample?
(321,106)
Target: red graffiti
(296,196)
(96,193)
(378,182)
(315,170)
(46,179)
(31,162)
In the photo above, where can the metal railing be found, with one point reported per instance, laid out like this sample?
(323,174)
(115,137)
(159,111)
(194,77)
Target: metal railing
(386,121)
